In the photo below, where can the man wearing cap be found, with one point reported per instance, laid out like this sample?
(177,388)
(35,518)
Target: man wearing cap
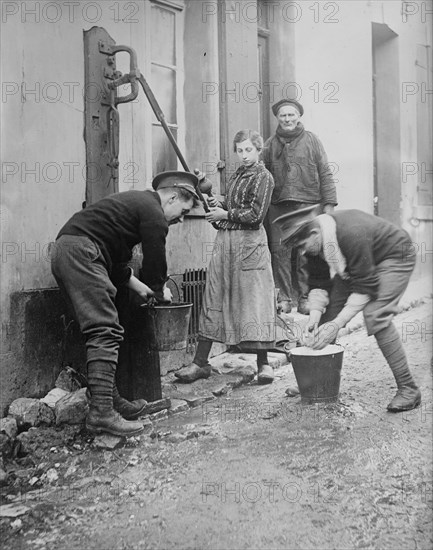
(89,261)
(298,162)
(356,262)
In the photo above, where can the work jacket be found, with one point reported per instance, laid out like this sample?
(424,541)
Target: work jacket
(300,169)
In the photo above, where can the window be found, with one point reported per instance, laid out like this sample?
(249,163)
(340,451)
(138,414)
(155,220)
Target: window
(263,54)
(164,73)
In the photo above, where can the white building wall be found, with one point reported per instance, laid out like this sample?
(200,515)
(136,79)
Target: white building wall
(333,72)
(43,90)
(43,150)
(334,52)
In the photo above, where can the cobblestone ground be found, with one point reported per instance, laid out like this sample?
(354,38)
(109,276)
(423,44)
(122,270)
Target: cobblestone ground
(255,469)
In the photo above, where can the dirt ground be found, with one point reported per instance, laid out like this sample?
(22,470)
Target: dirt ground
(251,469)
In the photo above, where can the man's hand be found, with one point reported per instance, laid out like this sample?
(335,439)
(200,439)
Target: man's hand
(167,295)
(140,288)
(311,328)
(216,214)
(326,334)
(328,208)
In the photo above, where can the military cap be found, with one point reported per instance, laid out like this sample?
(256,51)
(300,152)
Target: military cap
(276,106)
(292,222)
(184,180)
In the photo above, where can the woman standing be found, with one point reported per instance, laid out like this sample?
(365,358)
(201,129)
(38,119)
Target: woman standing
(239,302)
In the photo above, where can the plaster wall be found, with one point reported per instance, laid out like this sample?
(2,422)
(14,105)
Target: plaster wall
(190,242)
(333,54)
(43,170)
(43,150)
(333,76)
(412,23)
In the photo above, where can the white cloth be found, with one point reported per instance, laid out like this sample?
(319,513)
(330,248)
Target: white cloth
(318,299)
(354,304)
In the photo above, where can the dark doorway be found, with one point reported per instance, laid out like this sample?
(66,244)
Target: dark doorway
(386,121)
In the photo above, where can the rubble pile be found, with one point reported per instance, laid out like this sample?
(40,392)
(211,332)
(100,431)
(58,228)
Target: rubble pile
(65,404)
(35,427)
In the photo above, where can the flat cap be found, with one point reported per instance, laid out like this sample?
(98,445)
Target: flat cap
(292,222)
(276,106)
(184,180)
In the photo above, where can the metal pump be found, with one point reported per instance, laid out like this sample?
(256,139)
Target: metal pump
(100,51)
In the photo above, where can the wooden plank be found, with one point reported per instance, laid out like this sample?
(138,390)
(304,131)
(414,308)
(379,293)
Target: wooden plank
(102,176)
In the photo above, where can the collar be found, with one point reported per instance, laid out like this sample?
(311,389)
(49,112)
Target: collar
(247,170)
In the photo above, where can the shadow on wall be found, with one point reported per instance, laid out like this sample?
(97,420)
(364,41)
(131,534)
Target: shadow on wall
(42,338)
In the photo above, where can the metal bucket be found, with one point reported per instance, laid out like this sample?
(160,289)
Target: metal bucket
(171,324)
(318,373)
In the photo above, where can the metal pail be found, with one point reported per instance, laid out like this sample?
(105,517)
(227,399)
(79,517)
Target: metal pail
(171,324)
(318,373)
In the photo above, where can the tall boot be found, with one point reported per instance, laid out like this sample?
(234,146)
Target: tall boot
(200,367)
(102,418)
(408,395)
(265,371)
(130,410)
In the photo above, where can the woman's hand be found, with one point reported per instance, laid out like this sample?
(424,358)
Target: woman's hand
(200,175)
(216,214)
(213,202)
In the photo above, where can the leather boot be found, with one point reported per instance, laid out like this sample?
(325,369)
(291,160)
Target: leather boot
(406,399)
(130,410)
(408,395)
(102,418)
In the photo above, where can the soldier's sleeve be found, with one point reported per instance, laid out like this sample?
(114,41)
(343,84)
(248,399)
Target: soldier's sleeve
(153,270)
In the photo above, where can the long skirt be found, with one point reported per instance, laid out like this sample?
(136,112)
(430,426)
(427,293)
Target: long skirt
(239,306)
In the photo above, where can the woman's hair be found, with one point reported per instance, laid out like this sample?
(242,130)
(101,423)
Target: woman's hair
(255,137)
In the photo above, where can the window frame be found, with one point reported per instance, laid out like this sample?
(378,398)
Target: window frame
(177,8)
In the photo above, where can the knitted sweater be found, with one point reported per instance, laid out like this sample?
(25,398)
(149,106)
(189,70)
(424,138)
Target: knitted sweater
(248,197)
(116,224)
